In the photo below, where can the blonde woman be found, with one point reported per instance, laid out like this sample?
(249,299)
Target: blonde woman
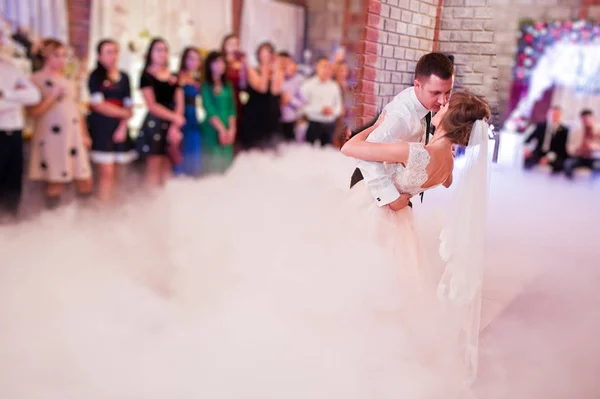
(61,141)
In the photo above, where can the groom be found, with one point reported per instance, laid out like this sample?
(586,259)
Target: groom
(408,118)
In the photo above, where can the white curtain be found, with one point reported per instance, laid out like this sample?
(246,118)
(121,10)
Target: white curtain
(44,18)
(267,20)
(201,23)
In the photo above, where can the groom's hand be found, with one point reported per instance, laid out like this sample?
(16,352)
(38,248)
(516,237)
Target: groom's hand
(401,203)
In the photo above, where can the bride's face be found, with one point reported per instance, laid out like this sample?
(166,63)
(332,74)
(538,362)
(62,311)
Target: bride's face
(435,121)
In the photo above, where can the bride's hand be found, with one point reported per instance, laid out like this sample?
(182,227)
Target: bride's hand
(402,202)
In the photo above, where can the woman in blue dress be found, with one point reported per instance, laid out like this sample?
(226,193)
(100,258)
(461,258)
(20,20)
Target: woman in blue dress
(189,79)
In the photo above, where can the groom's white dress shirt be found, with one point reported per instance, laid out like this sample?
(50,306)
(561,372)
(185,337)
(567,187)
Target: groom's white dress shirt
(404,121)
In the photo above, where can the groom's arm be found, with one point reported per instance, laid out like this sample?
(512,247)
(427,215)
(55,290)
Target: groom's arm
(393,129)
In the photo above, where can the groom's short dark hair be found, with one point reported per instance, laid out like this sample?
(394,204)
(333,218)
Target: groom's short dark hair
(436,64)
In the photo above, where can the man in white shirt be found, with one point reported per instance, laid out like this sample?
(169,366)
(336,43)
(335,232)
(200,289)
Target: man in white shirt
(583,145)
(16,91)
(323,99)
(408,118)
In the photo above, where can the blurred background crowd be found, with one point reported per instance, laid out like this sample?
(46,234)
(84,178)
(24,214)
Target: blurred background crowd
(112,96)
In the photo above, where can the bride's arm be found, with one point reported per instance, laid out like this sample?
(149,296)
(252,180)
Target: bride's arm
(376,152)
(448,181)
(358,147)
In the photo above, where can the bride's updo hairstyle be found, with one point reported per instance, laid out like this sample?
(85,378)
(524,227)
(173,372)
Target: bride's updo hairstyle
(463,110)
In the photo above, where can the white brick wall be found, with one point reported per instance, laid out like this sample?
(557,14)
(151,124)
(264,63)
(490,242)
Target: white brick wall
(325,25)
(407,30)
(481,34)
(467,32)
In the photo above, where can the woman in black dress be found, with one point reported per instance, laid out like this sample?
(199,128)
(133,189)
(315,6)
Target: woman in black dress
(260,121)
(110,101)
(160,135)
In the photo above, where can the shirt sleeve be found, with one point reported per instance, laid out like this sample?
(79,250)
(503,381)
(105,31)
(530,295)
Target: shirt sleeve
(337,103)
(377,178)
(95,89)
(145,80)
(24,93)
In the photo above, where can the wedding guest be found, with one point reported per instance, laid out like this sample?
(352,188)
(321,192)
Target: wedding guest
(59,148)
(236,71)
(261,117)
(291,96)
(323,98)
(550,143)
(219,127)
(16,91)
(111,109)
(189,79)
(341,76)
(583,143)
(160,135)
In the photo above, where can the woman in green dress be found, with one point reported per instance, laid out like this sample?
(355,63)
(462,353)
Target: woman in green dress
(219,128)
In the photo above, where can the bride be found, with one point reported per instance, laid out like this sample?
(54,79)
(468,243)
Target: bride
(280,283)
(415,168)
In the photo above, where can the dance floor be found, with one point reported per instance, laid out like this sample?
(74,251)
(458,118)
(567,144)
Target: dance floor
(541,308)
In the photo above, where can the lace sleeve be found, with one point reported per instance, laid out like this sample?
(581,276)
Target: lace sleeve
(418,159)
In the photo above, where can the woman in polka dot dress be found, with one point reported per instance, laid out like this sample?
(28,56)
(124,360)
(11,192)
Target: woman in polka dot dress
(60,142)
(160,135)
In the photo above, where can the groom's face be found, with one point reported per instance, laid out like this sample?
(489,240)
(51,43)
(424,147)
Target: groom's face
(433,92)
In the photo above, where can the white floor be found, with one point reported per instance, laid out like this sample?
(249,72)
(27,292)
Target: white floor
(541,281)
(541,311)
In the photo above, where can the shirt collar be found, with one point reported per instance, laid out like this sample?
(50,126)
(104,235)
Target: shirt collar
(419,108)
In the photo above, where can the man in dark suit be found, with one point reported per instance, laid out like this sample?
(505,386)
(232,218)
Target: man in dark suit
(550,143)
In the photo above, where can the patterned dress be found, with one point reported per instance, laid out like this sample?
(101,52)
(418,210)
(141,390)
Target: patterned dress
(58,154)
(152,139)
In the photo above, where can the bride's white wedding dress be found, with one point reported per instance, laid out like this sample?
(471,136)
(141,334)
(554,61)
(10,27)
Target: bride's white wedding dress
(273,281)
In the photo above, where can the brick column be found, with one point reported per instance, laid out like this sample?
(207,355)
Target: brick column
(362,54)
(397,33)
(593,12)
(325,25)
(79,26)
(590,9)
(467,32)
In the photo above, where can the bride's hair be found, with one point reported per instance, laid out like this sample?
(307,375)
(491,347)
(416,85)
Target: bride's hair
(463,110)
